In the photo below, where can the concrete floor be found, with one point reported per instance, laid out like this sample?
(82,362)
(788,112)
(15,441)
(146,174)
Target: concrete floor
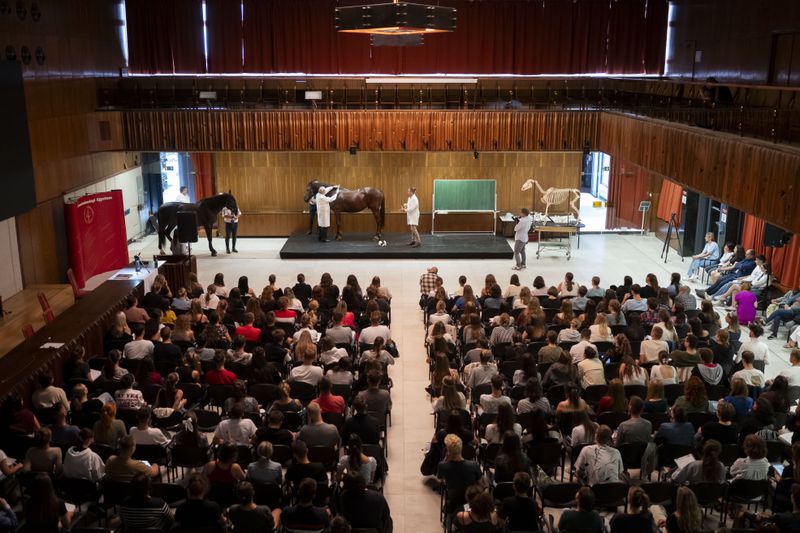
(415,507)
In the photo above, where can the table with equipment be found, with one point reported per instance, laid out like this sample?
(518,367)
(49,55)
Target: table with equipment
(558,235)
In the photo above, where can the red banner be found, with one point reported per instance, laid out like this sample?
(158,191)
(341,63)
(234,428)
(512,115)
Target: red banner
(96,234)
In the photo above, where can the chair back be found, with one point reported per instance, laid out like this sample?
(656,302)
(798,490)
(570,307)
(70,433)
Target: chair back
(667,453)
(610,495)
(305,392)
(559,495)
(660,493)
(632,454)
(327,455)
(556,394)
(593,393)
(612,419)
(672,391)
(192,393)
(708,494)
(656,419)
(27,331)
(207,420)
(698,419)
(636,390)
(281,454)
(270,495)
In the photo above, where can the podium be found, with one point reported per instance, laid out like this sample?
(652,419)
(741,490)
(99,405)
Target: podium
(176,269)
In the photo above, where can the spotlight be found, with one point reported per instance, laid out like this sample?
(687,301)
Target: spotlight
(353,150)
(475,154)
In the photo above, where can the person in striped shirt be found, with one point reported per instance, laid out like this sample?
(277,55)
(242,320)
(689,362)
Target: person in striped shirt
(142,511)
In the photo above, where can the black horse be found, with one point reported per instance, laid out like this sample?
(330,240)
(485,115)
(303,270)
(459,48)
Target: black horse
(352,202)
(206,210)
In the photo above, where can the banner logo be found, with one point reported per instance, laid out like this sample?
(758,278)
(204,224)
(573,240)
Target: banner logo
(88,215)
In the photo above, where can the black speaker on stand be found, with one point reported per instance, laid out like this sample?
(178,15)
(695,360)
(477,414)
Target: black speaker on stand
(187,226)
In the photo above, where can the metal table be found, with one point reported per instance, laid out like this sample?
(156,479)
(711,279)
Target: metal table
(561,237)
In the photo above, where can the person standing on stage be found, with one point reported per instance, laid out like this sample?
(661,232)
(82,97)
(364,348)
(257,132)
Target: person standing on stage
(312,214)
(521,231)
(183,196)
(412,216)
(231,227)
(324,211)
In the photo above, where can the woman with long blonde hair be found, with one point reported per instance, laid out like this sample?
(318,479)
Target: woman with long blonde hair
(196,312)
(450,398)
(300,347)
(688,517)
(183,329)
(600,332)
(120,326)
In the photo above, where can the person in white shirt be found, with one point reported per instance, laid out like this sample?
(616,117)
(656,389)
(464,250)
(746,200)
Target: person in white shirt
(521,230)
(490,403)
(792,374)
(600,462)
(139,347)
(752,376)
(375,330)
(231,227)
(47,395)
(652,346)
(143,433)
(183,196)
(81,462)
(210,300)
(482,372)
(590,370)
(307,372)
(757,279)
(755,345)
(578,350)
(324,211)
(514,289)
(329,353)
(235,429)
(305,325)
(127,397)
(411,208)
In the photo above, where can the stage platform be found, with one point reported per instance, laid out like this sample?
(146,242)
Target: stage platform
(361,246)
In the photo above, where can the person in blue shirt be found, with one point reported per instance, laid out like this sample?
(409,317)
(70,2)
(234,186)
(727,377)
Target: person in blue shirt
(739,398)
(708,257)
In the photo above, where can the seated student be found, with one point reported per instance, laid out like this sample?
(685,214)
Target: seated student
(490,403)
(236,353)
(755,344)
(590,369)
(638,518)
(614,399)
(694,398)
(341,373)
(688,515)
(264,470)
(363,507)
(710,372)
(707,469)
(123,467)
(143,511)
(457,473)
(362,424)
(328,402)
(301,468)
(689,355)
(220,375)
(81,462)
(652,346)
(42,457)
(378,353)
(198,511)
(636,428)
(599,462)
(143,433)
(246,516)
(307,372)
(585,519)
(678,432)
(655,401)
(578,351)
(248,330)
(47,395)
(739,397)
(751,376)
(316,432)
(378,400)
(272,430)
(755,466)
(329,353)
(304,515)
(573,402)
(479,513)
(723,430)
(166,350)
(634,301)
(482,372)
(64,435)
(236,429)
(519,512)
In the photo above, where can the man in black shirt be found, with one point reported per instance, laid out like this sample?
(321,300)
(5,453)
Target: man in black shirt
(457,473)
(154,300)
(305,515)
(302,290)
(520,511)
(273,432)
(585,519)
(165,350)
(301,468)
(363,507)
(197,511)
(361,424)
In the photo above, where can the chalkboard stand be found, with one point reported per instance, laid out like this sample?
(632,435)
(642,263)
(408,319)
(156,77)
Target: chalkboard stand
(446,206)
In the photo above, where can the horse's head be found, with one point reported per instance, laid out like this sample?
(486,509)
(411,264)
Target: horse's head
(311,190)
(230,202)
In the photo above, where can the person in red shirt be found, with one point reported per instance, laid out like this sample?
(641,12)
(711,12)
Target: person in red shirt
(284,314)
(328,403)
(248,331)
(220,376)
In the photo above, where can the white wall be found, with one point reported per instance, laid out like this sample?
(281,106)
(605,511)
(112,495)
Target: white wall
(130,182)
(10,271)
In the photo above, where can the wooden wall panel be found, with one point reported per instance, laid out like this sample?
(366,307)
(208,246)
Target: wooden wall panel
(214,131)
(269,186)
(756,177)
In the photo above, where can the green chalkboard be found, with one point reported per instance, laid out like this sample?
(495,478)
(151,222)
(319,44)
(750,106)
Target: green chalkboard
(464,195)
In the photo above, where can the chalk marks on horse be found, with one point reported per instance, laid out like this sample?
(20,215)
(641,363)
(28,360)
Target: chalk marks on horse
(353,201)
(206,210)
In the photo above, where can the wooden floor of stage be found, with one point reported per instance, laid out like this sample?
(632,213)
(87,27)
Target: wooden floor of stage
(24,309)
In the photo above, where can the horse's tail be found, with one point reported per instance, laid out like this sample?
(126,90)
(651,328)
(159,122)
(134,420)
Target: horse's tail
(160,230)
(382,214)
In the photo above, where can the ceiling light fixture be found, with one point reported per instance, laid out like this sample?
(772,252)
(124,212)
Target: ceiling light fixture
(396,18)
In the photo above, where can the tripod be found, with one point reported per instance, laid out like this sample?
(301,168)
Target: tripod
(672,225)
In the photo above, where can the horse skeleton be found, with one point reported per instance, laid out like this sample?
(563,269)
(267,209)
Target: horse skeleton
(554,196)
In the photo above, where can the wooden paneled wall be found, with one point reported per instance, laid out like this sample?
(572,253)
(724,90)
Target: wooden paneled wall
(413,130)
(269,186)
(79,41)
(759,178)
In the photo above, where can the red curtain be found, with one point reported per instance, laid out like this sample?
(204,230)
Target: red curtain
(224,35)
(785,261)
(629,185)
(492,37)
(203,166)
(165,36)
(670,201)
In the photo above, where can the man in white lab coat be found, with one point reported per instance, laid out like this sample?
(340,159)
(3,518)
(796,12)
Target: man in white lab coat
(324,211)
(412,216)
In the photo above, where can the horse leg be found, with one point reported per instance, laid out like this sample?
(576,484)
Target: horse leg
(210,240)
(376,214)
(338,216)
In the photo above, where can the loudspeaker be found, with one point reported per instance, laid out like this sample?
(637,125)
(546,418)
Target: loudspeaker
(187,226)
(775,236)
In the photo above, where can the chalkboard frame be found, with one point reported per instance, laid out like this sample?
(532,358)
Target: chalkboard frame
(436,210)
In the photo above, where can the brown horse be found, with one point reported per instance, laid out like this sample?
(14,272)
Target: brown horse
(352,202)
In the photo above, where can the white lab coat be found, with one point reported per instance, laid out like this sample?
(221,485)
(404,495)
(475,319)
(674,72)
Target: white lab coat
(324,209)
(412,211)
